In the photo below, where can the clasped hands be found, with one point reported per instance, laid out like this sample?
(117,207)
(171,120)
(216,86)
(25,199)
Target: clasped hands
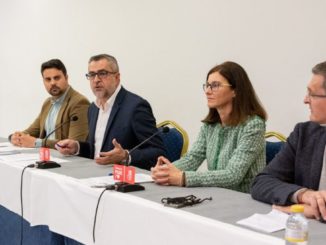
(22,139)
(314,204)
(116,155)
(165,173)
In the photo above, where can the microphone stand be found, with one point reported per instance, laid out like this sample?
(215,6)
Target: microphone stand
(53,164)
(126,187)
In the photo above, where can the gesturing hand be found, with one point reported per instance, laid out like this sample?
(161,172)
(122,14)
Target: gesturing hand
(116,155)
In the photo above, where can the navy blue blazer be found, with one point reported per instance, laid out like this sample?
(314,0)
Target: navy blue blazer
(297,165)
(131,121)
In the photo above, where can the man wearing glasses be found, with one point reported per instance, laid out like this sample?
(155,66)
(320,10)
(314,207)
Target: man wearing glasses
(298,173)
(118,121)
(57,111)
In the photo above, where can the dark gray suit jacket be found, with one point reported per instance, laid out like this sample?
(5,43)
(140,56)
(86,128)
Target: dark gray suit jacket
(131,121)
(297,165)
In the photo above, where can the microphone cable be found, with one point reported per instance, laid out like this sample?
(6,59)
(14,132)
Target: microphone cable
(116,186)
(108,187)
(21,202)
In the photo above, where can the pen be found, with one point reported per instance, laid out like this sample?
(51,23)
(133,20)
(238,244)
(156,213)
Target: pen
(61,146)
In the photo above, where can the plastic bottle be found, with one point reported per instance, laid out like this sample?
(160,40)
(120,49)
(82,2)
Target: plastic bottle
(296,230)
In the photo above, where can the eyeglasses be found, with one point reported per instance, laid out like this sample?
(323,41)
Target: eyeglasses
(100,74)
(214,86)
(310,95)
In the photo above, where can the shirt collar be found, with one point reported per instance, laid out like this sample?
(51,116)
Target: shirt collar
(109,103)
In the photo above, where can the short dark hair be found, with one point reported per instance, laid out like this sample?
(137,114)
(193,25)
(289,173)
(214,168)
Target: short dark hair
(245,103)
(54,63)
(320,69)
(113,61)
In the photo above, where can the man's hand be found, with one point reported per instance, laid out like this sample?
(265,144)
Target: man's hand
(309,211)
(67,147)
(23,140)
(116,155)
(15,138)
(27,141)
(316,200)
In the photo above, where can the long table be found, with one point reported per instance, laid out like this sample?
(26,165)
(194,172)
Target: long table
(58,199)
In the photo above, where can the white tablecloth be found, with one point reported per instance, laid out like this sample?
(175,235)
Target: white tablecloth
(67,206)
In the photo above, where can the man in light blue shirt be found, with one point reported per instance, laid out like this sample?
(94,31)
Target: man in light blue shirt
(57,110)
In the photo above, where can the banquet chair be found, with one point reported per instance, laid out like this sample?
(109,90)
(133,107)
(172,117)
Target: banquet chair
(273,147)
(175,140)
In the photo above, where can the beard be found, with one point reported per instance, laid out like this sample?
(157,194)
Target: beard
(56,91)
(101,93)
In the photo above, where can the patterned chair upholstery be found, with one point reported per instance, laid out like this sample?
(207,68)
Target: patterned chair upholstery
(175,141)
(273,147)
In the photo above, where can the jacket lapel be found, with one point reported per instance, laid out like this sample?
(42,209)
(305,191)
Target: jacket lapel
(60,117)
(43,117)
(114,111)
(92,121)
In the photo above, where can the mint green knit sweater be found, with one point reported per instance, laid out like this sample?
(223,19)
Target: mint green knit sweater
(234,154)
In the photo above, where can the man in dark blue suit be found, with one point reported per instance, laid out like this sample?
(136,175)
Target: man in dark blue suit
(118,121)
(297,174)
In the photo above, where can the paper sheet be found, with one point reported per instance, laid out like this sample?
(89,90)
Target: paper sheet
(271,222)
(108,180)
(23,159)
(7,148)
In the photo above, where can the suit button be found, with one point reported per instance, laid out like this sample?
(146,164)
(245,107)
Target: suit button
(276,201)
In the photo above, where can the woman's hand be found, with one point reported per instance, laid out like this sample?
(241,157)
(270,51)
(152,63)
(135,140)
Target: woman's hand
(165,173)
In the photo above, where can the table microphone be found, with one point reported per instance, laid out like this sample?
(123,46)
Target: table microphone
(163,130)
(72,119)
(126,187)
(52,164)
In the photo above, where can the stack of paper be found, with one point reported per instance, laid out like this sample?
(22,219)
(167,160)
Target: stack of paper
(7,148)
(23,159)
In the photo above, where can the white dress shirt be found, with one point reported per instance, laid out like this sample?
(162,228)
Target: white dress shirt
(102,120)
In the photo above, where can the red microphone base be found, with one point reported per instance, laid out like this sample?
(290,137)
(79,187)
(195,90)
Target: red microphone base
(125,187)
